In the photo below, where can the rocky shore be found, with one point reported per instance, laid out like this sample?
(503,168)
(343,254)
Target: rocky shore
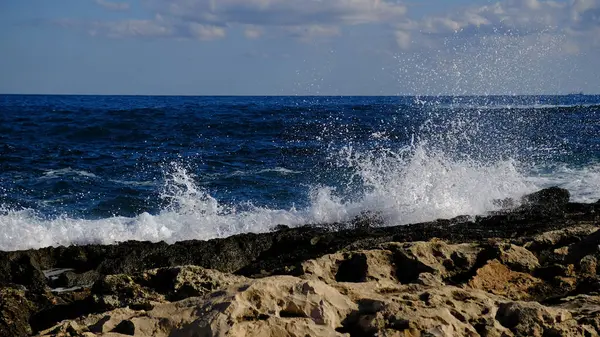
(530,270)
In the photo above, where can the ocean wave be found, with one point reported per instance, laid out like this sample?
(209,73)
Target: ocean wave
(406,186)
(278,170)
(68,171)
(583,182)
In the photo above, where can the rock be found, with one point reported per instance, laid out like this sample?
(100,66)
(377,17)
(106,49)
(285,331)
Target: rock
(556,239)
(585,309)
(464,276)
(553,197)
(118,291)
(515,257)
(420,311)
(307,305)
(276,306)
(589,245)
(22,269)
(359,266)
(588,265)
(533,319)
(498,279)
(185,281)
(126,327)
(70,279)
(15,310)
(436,257)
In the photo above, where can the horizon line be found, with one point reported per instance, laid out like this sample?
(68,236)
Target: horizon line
(296,95)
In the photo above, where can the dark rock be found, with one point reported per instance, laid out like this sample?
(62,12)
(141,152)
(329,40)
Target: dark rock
(47,317)
(587,246)
(367,219)
(15,310)
(126,327)
(549,197)
(99,327)
(24,269)
(119,291)
(551,271)
(70,279)
(280,228)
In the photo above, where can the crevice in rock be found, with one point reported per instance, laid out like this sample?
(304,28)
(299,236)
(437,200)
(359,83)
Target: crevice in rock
(408,269)
(353,269)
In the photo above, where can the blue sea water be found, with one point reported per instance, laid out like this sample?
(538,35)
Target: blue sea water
(81,169)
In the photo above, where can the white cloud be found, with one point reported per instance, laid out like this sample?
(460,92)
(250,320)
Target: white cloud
(281,12)
(253,32)
(129,28)
(156,28)
(577,19)
(302,19)
(308,33)
(206,32)
(113,6)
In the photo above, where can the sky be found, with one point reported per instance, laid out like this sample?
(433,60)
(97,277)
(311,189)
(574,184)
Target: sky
(299,47)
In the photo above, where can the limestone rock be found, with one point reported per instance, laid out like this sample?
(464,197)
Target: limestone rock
(358,266)
(186,281)
(498,279)
(535,320)
(515,257)
(436,257)
(275,306)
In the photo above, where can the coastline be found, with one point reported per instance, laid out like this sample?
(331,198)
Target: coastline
(536,260)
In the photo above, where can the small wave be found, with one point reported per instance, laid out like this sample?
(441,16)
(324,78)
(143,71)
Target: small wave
(68,171)
(583,182)
(281,170)
(278,170)
(134,183)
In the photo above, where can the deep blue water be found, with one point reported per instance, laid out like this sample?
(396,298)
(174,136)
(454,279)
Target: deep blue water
(222,165)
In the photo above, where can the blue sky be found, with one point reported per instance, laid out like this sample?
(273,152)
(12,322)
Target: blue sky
(299,47)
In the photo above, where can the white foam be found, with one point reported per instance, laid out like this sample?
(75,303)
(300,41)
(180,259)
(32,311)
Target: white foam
(68,171)
(406,186)
(278,170)
(583,182)
(134,183)
(420,185)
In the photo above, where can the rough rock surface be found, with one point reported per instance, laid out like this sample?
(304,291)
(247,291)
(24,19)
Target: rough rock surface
(529,271)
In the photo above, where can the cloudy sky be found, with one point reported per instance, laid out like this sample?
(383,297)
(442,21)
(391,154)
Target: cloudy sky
(299,47)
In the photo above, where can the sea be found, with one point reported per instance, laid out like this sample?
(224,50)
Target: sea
(105,169)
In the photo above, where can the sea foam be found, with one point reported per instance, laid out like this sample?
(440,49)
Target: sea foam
(407,186)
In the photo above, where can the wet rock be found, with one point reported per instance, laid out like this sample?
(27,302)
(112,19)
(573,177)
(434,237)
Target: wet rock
(118,291)
(71,279)
(22,269)
(15,310)
(549,198)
